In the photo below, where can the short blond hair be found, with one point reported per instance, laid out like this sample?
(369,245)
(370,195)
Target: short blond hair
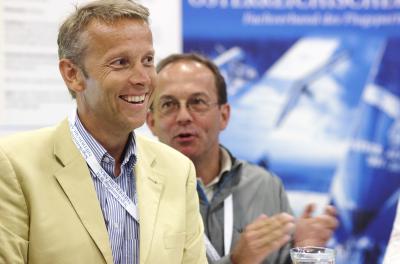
(70,44)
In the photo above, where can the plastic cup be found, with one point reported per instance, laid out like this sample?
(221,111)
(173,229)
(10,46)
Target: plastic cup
(312,255)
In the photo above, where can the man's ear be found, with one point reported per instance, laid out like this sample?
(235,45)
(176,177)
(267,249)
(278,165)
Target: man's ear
(151,122)
(72,75)
(225,115)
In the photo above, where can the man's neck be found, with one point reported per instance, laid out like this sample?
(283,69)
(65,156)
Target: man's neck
(209,166)
(113,142)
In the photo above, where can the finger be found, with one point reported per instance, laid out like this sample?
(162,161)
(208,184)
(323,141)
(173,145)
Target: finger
(273,246)
(308,211)
(262,221)
(275,222)
(272,236)
(330,210)
(327,221)
(264,227)
(277,244)
(274,228)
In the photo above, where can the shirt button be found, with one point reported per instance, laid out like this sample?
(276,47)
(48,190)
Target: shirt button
(116,226)
(106,159)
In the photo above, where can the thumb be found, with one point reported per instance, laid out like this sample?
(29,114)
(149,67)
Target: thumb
(330,210)
(308,211)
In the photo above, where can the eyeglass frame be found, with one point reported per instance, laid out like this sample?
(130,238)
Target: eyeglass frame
(187,104)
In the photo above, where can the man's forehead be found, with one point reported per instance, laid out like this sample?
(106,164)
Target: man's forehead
(185,75)
(185,66)
(184,78)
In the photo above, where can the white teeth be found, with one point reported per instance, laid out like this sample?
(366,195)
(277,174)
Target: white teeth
(135,99)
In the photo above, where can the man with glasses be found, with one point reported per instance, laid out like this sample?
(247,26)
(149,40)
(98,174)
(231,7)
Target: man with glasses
(244,207)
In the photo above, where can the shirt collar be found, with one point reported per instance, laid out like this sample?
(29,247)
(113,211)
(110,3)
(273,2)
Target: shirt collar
(101,153)
(226,165)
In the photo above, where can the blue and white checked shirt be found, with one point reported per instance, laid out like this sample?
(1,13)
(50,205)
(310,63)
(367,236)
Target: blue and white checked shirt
(123,229)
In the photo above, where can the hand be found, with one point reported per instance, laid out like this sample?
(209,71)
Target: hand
(261,237)
(315,231)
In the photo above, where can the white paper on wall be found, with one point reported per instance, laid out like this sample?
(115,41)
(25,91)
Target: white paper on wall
(32,92)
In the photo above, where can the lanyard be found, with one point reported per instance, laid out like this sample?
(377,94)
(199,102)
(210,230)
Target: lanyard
(228,229)
(110,185)
(210,250)
(228,223)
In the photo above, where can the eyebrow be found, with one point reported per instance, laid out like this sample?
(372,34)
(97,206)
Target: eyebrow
(199,94)
(168,97)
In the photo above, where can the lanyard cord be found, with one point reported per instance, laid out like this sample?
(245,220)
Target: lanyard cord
(110,185)
(228,228)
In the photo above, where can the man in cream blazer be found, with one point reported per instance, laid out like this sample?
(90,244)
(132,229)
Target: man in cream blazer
(90,190)
(49,212)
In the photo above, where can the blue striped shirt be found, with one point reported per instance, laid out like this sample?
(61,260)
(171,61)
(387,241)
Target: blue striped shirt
(123,229)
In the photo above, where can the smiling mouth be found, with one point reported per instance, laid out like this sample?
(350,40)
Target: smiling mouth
(133,99)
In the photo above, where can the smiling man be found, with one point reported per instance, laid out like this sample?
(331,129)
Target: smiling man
(90,190)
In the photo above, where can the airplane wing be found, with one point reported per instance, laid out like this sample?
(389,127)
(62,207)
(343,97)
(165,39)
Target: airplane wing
(307,60)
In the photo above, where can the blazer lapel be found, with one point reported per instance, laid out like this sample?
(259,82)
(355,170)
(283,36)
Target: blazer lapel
(149,188)
(77,184)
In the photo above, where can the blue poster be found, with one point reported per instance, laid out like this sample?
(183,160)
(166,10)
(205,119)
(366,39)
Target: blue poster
(315,94)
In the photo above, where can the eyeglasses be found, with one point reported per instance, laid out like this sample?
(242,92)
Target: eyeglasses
(196,104)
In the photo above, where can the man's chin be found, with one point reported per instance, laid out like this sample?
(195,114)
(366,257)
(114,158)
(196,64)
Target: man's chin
(135,121)
(188,151)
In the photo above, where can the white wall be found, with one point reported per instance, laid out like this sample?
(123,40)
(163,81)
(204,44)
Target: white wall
(32,93)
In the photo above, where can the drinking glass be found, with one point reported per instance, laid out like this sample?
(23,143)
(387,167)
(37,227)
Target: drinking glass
(312,255)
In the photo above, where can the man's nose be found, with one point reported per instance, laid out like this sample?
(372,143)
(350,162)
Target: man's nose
(184,115)
(141,75)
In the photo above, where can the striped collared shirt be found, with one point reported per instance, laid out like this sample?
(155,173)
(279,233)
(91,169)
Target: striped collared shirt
(123,229)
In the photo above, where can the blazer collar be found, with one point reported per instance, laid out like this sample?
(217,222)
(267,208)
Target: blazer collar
(77,184)
(150,184)
(74,178)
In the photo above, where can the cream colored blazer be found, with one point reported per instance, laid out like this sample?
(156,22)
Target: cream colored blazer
(49,212)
